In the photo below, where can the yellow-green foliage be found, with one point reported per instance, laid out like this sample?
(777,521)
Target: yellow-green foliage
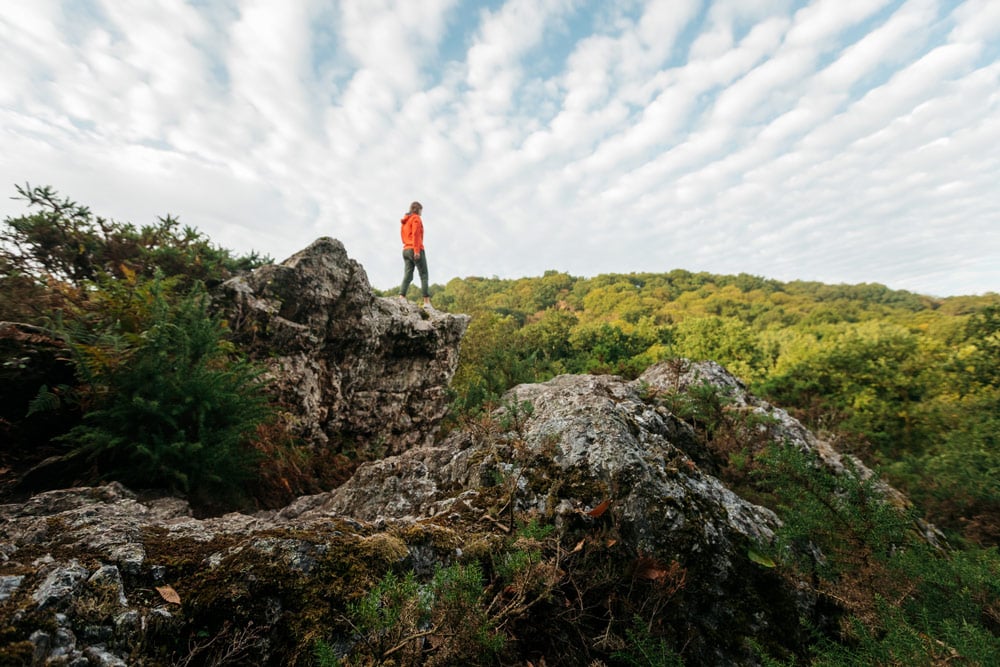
(902,379)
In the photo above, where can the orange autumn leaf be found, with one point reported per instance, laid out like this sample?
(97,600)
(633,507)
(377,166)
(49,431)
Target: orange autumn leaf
(672,576)
(600,509)
(169,594)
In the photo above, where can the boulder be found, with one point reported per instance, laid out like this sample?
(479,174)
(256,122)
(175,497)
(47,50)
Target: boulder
(581,447)
(357,373)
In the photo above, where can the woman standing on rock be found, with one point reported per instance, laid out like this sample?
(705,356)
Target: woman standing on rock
(412,232)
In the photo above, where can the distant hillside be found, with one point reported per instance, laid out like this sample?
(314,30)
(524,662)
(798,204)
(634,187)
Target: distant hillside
(907,381)
(691,293)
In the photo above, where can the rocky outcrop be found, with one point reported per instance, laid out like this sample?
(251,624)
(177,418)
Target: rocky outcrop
(640,521)
(357,373)
(590,517)
(581,445)
(593,512)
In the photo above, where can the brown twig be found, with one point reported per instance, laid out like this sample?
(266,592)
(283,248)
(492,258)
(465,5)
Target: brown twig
(407,640)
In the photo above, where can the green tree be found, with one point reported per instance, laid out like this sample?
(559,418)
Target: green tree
(873,373)
(607,348)
(549,340)
(491,361)
(60,245)
(726,340)
(983,332)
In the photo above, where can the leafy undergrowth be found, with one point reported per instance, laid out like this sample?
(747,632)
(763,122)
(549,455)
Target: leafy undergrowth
(902,594)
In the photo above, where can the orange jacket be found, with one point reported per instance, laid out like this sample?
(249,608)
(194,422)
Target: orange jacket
(412,232)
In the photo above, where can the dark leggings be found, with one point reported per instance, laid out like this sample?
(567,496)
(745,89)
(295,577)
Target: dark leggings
(408,264)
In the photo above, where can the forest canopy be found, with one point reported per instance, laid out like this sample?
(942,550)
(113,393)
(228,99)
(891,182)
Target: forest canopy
(908,382)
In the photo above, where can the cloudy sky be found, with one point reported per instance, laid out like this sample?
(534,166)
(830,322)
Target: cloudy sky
(843,141)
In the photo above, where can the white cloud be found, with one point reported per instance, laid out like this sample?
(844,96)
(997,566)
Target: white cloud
(393,37)
(976,20)
(888,44)
(838,140)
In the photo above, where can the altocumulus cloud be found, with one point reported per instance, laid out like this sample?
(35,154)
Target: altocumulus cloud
(833,140)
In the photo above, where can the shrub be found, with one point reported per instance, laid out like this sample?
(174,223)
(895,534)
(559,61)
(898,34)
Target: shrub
(389,613)
(394,618)
(645,650)
(64,240)
(907,601)
(169,406)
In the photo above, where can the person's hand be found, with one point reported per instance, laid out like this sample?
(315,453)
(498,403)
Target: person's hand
(416,256)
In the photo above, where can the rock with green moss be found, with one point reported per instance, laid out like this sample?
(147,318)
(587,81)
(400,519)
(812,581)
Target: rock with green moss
(590,520)
(597,453)
(203,590)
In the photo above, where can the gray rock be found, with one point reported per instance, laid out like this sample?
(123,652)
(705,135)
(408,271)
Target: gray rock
(9,584)
(53,646)
(60,584)
(593,429)
(108,579)
(128,623)
(360,372)
(99,656)
(564,451)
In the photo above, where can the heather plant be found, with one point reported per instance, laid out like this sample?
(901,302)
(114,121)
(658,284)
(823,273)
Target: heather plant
(847,516)
(325,655)
(733,434)
(906,599)
(534,530)
(460,607)
(645,650)
(392,610)
(397,617)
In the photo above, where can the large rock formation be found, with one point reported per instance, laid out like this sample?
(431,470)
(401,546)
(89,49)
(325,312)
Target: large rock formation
(592,511)
(352,373)
(579,446)
(358,372)
(98,575)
